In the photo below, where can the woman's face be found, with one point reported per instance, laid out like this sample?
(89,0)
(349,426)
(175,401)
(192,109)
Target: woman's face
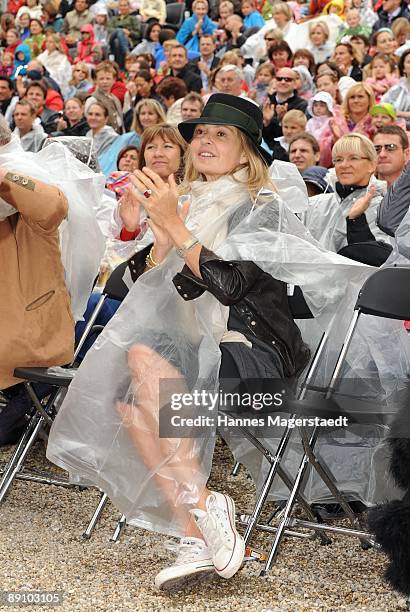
(216,151)
(147,116)
(353,169)
(154,35)
(317,36)
(301,61)
(128,161)
(325,83)
(280,59)
(162,156)
(50,45)
(280,19)
(385,43)
(35,28)
(11,38)
(96,118)
(342,56)
(24,20)
(73,111)
(143,87)
(79,74)
(358,103)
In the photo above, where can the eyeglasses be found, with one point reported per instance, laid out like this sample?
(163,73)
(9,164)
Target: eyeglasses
(286,79)
(350,160)
(387,147)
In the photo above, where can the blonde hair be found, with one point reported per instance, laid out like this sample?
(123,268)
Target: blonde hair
(323,26)
(153,105)
(355,89)
(258,171)
(196,2)
(355,144)
(84,67)
(282,7)
(296,116)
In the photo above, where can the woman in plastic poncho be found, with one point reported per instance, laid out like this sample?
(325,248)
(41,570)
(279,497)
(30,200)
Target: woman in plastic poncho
(214,310)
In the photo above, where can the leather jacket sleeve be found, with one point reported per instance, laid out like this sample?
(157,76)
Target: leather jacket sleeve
(228,281)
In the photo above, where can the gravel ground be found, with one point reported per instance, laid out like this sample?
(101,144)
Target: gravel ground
(41,548)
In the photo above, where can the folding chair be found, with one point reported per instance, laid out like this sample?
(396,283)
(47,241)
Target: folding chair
(382,295)
(60,380)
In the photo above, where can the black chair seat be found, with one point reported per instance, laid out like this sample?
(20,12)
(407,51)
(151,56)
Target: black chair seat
(44,375)
(370,253)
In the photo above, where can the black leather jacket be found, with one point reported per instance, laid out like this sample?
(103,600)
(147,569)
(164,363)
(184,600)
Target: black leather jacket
(258,300)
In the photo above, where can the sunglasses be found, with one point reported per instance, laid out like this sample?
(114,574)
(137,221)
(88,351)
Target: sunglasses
(285,79)
(387,147)
(270,39)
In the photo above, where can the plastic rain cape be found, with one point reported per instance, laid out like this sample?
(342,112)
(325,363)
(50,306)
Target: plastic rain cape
(92,436)
(81,241)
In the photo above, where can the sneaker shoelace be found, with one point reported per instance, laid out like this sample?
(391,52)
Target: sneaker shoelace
(214,525)
(186,550)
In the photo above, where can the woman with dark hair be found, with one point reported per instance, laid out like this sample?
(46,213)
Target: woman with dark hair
(150,43)
(140,88)
(37,37)
(281,55)
(303,57)
(326,67)
(102,135)
(345,56)
(127,160)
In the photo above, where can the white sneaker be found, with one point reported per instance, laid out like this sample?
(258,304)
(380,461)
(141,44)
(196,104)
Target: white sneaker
(193,562)
(217,525)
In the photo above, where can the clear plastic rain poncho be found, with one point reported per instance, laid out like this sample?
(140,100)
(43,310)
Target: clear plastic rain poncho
(82,243)
(105,434)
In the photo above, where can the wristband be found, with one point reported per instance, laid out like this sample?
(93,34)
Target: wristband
(187,246)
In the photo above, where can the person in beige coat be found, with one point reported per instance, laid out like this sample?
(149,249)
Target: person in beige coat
(36,325)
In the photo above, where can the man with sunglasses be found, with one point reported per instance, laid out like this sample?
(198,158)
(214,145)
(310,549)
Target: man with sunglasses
(392,146)
(284,100)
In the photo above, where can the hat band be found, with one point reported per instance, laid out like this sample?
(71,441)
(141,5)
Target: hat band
(230,115)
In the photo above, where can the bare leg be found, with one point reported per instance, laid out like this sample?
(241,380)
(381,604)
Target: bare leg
(172,461)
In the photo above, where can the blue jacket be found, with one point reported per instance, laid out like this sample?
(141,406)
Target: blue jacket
(254,20)
(20,66)
(185,37)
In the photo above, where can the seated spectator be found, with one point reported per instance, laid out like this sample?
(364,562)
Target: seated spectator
(305,84)
(304,151)
(147,112)
(12,41)
(124,31)
(252,17)
(315,181)
(7,65)
(36,72)
(392,148)
(195,26)
(87,45)
(263,78)
(32,273)
(230,81)
(36,93)
(367,14)
(346,59)
(141,87)
(22,57)
(171,92)
(55,61)
(51,18)
(356,107)
(382,76)
(8,98)
(225,9)
(353,25)
(362,46)
(128,158)
(192,106)
(281,55)
(207,60)
(390,11)
(284,99)
(152,11)
(399,95)
(178,67)
(100,28)
(354,159)
(283,17)
(37,37)
(73,121)
(235,35)
(322,125)
(23,24)
(105,77)
(74,20)
(32,7)
(401,31)
(303,57)
(319,44)
(102,134)
(383,41)
(150,43)
(383,114)
(28,129)
(294,122)
(80,83)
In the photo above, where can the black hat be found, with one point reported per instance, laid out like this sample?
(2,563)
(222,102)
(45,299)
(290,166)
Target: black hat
(223,109)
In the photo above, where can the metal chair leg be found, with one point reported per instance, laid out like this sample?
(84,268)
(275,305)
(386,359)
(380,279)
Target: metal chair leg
(235,469)
(119,529)
(95,517)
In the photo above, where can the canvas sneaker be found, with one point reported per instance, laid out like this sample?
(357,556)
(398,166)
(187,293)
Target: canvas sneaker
(217,525)
(193,562)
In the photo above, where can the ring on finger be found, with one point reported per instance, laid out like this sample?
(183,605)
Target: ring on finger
(147,193)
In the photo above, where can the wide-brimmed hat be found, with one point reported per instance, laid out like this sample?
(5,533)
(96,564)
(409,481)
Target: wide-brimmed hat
(224,109)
